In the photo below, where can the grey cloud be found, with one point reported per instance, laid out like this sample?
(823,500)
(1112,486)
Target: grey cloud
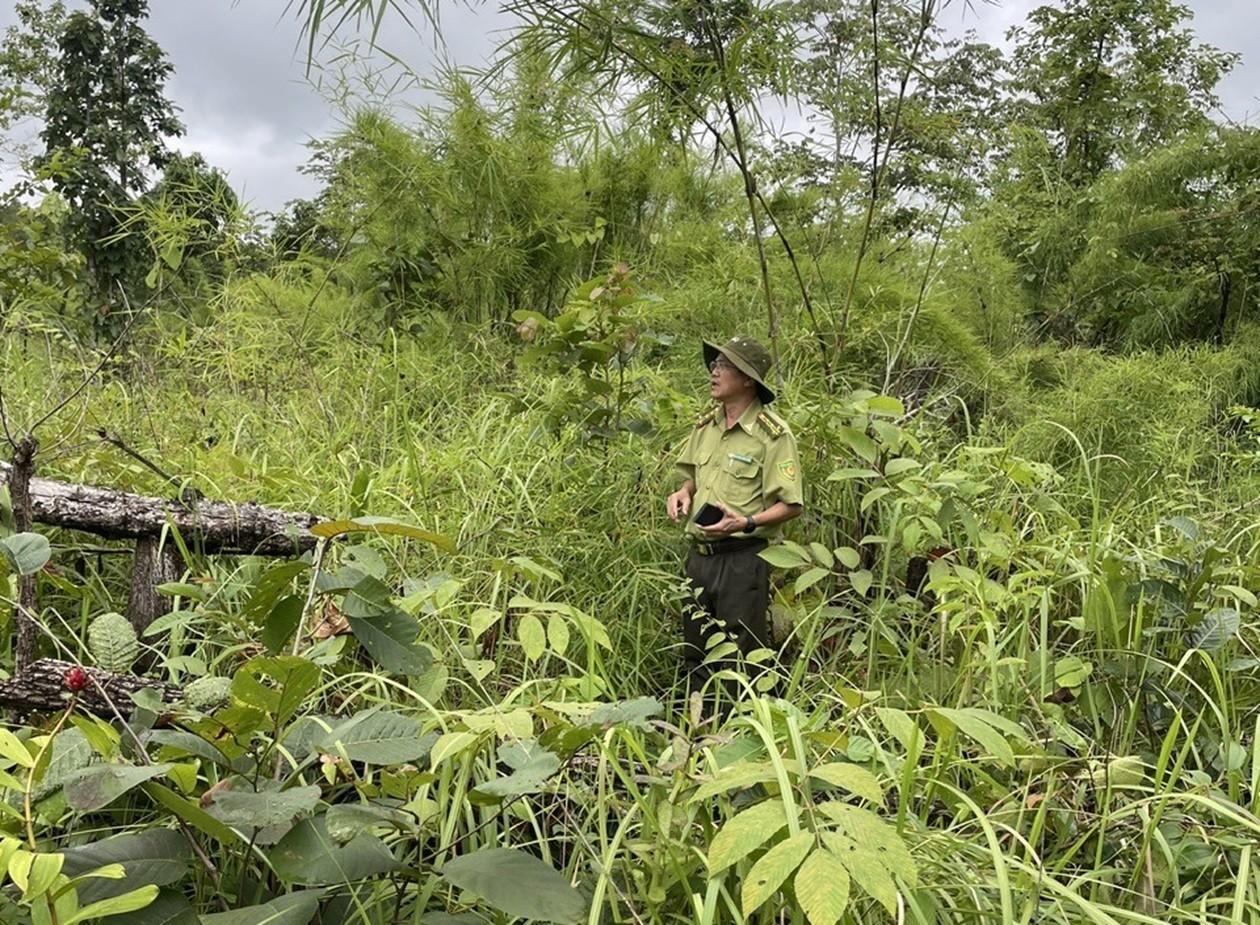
(241,81)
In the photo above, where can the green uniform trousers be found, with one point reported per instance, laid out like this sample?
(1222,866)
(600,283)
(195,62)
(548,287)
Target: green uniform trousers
(732,588)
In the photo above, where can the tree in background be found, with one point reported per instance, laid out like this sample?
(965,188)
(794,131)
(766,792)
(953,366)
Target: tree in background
(28,62)
(1106,80)
(107,121)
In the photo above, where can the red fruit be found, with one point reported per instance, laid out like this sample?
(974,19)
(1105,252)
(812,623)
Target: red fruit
(76,679)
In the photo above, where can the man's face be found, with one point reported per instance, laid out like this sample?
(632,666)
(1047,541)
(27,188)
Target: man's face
(726,381)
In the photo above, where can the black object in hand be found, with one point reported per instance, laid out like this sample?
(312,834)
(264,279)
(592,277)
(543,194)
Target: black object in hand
(708,515)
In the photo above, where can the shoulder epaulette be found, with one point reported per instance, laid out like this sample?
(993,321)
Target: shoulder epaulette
(773,427)
(706,418)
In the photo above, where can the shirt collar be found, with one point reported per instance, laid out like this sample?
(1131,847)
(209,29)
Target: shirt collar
(746,420)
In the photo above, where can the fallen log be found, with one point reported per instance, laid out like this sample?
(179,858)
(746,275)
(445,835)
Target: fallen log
(41,688)
(209,526)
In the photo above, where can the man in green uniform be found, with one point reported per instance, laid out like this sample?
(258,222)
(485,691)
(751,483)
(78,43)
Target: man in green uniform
(741,458)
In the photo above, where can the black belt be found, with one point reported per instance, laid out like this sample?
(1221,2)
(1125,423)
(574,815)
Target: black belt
(718,547)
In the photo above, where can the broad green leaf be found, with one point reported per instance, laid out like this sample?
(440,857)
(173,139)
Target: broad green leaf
(532,765)
(245,809)
(13,751)
(782,556)
(98,785)
(635,713)
(772,870)
(270,586)
(867,868)
(39,874)
(849,557)
(1215,629)
(282,622)
(900,465)
(347,821)
(808,579)
(391,640)
(26,553)
(844,475)
(738,776)
(745,833)
(296,908)
(873,834)
(380,737)
(482,619)
(533,639)
(384,525)
(449,744)
(115,905)
(857,780)
(904,729)
(822,555)
(518,884)
(190,812)
(884,404)
(113,643)
(170,908)
(309,855)
(946,720)
(294,678)
(861,581)
(151,856)
(822,888)
(859,442)
(1071,671)
(558,634)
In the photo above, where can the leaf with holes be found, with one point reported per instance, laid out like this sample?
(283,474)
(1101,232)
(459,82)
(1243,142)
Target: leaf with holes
(873,834)
(772,870)
(866,868)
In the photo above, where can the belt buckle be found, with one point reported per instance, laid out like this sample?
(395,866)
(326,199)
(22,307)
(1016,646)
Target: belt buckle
(704,548)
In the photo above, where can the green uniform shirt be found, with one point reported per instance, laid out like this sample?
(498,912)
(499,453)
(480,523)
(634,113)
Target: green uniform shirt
(748,467)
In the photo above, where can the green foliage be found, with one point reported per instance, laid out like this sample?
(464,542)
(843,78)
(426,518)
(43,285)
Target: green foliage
(1109,80)
(99,162)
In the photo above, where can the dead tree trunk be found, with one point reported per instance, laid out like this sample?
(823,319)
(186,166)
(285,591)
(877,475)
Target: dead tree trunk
(41,688)
(208,526)
(156,563)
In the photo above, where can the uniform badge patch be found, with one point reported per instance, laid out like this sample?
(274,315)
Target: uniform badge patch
(787,469)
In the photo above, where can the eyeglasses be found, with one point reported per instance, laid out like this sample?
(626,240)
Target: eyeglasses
(721,363)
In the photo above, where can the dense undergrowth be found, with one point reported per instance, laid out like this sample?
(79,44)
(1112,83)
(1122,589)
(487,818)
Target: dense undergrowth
(1015,667)
(1058,726)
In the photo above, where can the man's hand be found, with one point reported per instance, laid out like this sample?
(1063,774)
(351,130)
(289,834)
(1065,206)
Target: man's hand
(678,504)
(730,523)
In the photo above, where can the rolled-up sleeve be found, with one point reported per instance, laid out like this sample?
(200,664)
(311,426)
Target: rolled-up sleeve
(781,478)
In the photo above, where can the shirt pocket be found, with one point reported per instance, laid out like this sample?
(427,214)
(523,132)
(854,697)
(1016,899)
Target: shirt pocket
(742,478)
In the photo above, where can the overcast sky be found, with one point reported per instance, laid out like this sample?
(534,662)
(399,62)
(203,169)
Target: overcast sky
(250,108)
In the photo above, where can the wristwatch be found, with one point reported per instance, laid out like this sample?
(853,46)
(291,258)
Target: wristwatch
(750,525)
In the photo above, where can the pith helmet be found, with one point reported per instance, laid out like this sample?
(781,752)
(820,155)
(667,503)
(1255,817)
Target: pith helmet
(749,357)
